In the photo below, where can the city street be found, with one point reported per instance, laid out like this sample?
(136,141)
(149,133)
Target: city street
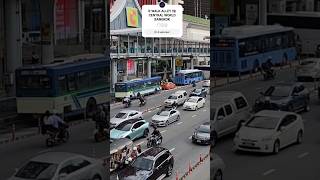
(177,136)
(293,162)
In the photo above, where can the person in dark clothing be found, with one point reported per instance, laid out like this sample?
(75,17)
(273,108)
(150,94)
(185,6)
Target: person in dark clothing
(100,119)
(156,133)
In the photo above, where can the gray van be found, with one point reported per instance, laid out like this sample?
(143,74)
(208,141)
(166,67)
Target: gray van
(229,109)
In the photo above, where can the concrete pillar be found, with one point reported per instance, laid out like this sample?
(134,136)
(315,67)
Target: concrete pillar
(263,12)
(47,30)
(125,75)
(149,68)
(13,30)
(191,63)
(173,60)
(114,72)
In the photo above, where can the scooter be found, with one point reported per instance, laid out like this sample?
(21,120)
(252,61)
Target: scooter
(153,141)
(56,138)
(268,74)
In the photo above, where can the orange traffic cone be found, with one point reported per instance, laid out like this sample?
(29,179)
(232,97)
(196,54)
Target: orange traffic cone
(190,168)
(200,158)
(177,175)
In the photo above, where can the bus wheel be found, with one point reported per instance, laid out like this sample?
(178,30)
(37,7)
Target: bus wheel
(91,107)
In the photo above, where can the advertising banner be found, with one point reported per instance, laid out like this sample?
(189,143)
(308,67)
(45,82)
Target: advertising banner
(132,17)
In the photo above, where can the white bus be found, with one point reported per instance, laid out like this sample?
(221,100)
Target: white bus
(307,27)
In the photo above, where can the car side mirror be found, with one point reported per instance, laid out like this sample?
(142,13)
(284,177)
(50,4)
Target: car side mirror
(62,176)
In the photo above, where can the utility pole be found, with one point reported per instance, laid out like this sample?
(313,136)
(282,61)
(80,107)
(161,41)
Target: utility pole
(263,12)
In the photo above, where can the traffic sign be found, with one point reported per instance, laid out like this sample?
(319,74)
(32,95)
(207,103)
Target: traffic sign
(179,62)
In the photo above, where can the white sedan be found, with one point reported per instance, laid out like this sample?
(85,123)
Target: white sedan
(61,165)
(309,68)
(125,115)
(206,83)
(269,131)
(194,103)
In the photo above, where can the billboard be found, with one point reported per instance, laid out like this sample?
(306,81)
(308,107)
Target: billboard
(132,17)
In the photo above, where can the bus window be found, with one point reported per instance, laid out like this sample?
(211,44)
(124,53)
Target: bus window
(98,78)
(71,82)
(63,88)
(83,80)
(45,82)
(34,82)
(121,88)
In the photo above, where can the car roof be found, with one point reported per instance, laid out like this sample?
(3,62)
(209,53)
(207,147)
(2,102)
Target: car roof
(128,111)
(152,152)
(54,157)
(131,121)
(275,114)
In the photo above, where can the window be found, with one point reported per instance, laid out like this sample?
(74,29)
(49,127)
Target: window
(221,113)
(161,159)
(200,99)
(72,84)
(34,82)
(63,87)
(241,103)
(83,80)
(74,165)
(137,125)
(98,77)
(228,109)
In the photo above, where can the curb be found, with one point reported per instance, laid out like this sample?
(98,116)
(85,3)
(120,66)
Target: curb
(32,134)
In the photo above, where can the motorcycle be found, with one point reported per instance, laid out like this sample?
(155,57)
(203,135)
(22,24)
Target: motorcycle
(153,141)
(56,138)
(143,102)
(268,74)
(261,104)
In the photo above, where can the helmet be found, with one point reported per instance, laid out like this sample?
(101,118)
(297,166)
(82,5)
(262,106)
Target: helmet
(129,159)
(134,148)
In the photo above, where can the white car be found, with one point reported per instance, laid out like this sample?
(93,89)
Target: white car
(269,131)
(309,68)
(61,165)
(194,103)
(125,115)
(178,98)
(206,83)
(165,117)
(217,166)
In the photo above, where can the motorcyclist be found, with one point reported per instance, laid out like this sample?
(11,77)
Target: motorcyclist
(156,133)
(127,99)
(134,153)
(140,97)
(57,125)
(100,118)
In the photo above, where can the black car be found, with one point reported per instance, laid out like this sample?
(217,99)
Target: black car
(154,163)
(201,92)
(285,97)
(202,134)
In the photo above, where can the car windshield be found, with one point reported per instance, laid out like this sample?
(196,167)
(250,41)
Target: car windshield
(172,97)
(121,115)
(143,163)
(263,122)
(37,170)
(278,91)
(193,100)
(124,126)
(204,129)
(212,113)
(163,113)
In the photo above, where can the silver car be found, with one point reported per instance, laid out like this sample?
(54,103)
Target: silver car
(165,117)
(61,165)
(309,68)
(269,131)
(217,166)
(125,115)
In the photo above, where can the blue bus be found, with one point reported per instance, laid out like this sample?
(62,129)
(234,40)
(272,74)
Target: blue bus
(68,86)
(144,86)
(245,48)
(185,77)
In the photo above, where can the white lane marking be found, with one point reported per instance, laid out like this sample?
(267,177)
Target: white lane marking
(268,172)
(163,131)
(141,143)
(172,149)
(190,137)
(194,115)
(179,123)
(303,155)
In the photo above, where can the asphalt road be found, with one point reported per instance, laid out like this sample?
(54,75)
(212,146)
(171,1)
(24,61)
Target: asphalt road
(177,136)
(295,162)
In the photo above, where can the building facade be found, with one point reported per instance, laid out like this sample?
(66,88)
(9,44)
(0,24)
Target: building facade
(197,8)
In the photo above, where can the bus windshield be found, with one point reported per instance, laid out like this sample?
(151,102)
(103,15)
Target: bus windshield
(34,82)
(121,88)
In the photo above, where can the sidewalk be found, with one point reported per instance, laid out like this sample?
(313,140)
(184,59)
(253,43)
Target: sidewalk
(202,171)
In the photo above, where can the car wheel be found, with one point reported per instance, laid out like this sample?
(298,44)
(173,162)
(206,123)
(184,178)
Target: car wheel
(299,137)
(169,172)
(218,175)
(276,147)
(178,118)
(96,177)
(145,133)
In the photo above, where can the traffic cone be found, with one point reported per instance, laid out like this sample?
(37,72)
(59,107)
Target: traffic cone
(200,158)
(190,168)
(177,175)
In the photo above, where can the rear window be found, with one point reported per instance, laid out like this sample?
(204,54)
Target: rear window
(240,103)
